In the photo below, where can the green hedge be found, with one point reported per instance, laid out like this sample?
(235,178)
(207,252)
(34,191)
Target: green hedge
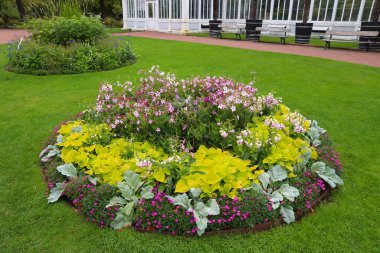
(31,57)
(64,31)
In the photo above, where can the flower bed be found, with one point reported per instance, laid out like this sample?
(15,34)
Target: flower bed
(189,157)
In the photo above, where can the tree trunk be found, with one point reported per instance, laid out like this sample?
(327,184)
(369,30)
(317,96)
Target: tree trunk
(215,9)
(102,9)
(254,10)
(376,12)
(306,11)
(21,9)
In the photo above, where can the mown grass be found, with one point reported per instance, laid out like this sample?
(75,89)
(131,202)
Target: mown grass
(290,40)
(342,97)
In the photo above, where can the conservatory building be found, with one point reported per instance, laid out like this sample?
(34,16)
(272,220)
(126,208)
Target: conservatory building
(183,16)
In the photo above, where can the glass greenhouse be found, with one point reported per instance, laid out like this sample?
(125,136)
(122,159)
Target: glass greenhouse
(182,16)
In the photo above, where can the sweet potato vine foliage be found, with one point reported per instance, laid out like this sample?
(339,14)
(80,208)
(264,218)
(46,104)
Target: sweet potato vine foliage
(186,156)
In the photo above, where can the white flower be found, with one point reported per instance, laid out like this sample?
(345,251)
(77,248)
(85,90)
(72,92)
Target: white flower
(223,133)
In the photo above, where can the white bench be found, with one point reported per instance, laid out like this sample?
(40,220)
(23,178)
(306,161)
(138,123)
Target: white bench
(320,31)
(349,36)
(237,29)
(279,31)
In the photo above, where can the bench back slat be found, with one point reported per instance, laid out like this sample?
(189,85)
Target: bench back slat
(352,33)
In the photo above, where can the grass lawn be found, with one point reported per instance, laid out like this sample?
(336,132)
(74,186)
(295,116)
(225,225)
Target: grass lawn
(343,97)
(313,42)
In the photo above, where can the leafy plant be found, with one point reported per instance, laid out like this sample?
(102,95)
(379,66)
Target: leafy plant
(132,189)
(29,57)
(196,206)
(65,31)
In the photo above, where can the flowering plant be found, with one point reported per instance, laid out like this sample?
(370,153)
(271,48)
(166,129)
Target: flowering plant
(195,155)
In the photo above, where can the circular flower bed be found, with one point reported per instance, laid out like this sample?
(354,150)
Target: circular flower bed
(189,157)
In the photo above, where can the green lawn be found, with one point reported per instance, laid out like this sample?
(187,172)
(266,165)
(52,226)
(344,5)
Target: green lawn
(343,97)
(313,42)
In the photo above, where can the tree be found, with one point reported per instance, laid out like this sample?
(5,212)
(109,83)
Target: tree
(102,9)
(21,9)
(376,12)
(215,9)
(306,11)
(254,10)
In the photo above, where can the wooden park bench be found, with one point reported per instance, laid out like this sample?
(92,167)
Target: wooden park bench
(320,31)
(366,37)
(279,31)
(237,29)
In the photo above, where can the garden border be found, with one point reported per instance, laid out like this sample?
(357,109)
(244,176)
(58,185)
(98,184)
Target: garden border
(299,214)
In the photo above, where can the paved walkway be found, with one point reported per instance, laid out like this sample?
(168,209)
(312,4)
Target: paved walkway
(7,35)
(353,56)
(360,57)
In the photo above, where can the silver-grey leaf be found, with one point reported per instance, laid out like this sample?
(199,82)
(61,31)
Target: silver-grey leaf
(287,214)
(289,192)
(117,201)
(277,173)
(56,192)
(68,170)
(264,179)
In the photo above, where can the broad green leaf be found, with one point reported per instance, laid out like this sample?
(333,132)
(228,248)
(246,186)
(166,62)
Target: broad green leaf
(264,179)
(119,221)
(132,179)
(330,177)
(147,193)
(213,207)
(199,207)
(93,180)
(306,156)
(128,209)
(59,138)
(117,201)
(68,170)
(51,151)
(126,191)
(277,173)
(275,198)
(257,188)
(181,200)
(201,223)
(289,192)
(287,214)
(318,167)
(56,192)
(195,192)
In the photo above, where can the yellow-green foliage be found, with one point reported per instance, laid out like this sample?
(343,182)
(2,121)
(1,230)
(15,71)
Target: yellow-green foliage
(81,145)
(274,137)
(216,171)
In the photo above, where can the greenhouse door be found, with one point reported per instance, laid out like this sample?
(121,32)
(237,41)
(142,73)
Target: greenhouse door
(151,21)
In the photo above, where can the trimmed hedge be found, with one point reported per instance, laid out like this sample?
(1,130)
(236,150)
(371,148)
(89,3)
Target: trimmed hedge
(33,58)
(65,31)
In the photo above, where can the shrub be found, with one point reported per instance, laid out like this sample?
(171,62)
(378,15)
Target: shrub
(65,31)
(30,57)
